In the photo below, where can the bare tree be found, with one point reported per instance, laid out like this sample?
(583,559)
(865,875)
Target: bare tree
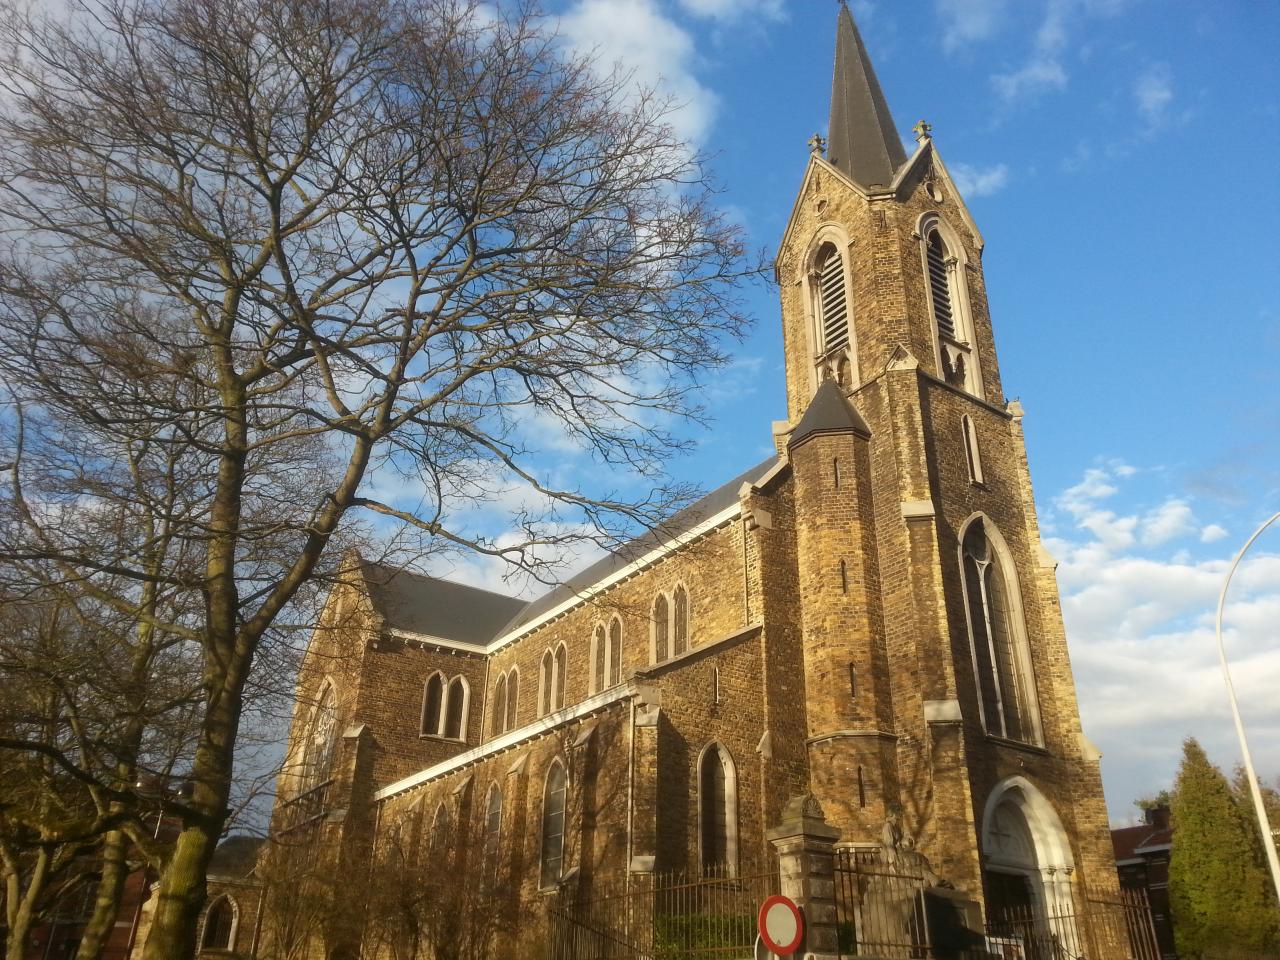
(93,710)
(253,253)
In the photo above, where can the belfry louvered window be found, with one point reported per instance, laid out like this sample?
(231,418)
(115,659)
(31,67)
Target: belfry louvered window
(940,286)
(833,300)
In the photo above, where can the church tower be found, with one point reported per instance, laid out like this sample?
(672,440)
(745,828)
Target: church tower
(940,698)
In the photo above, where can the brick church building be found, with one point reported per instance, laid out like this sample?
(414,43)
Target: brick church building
(868,618)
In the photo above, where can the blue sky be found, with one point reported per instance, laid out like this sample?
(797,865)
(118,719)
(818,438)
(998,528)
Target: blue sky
(1122,159)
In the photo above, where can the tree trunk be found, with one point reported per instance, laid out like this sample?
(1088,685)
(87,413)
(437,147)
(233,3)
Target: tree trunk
(106,901)
(180,896)
(21,912)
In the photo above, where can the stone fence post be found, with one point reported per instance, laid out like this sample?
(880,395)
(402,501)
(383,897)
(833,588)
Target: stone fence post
(806,864)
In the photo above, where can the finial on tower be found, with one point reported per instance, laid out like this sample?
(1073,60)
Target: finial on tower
(817,143)
(923,131)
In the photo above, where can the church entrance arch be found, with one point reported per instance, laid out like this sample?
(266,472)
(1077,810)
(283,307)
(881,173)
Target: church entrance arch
(1028,867)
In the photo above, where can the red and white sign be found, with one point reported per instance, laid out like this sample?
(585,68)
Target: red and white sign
(781,926)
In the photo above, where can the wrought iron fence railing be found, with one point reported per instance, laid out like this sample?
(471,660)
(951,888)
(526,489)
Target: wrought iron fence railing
(665,916)
(1118,925)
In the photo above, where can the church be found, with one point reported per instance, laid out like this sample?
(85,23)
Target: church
(862,633)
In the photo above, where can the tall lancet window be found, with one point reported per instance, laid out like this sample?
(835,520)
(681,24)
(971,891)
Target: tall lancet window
(717,811)
(661,629)
(1001,658)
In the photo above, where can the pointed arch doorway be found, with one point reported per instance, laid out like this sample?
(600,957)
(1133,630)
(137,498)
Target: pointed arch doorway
(1028,868)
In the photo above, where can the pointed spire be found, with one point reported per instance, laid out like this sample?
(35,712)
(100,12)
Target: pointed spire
(864,143)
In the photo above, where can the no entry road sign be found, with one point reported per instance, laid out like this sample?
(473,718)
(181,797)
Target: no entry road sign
(781,925)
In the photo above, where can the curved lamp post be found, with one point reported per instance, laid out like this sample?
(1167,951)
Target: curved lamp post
(1268,840)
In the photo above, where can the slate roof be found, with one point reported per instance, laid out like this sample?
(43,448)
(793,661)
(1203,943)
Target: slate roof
(829,412)
(418,603)
(682,522)
(235,857)
(862,141)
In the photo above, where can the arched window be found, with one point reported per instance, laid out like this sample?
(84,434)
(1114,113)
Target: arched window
(940,285)
(680,620)
(322,739)
(500,705)
(1001,660)
(441,829)
(433,705)
(717,811)
(832,306)
(219,925)
(945,274)
(455,714)
(444,707)
(493,828)
(599,656)
(973,456)
(615,652)
(661,628)
(513,697)
(554,797)
(562,675)
(546,684)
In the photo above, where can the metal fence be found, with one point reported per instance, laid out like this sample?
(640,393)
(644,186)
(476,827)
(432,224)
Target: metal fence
(885,907)
(666,916)
(1119,925)
(880,906)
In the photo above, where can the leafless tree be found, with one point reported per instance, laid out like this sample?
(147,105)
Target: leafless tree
(254,253)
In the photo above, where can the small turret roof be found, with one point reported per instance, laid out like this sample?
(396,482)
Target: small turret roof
(829,412)
(863,142)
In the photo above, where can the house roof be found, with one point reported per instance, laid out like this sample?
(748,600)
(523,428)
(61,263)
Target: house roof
(417,603)
(434,607)
(235,857)
(829,412)
(1130,843)
(863,142)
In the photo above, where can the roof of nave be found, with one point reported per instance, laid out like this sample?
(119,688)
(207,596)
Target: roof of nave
(417,603)
(682,522)
(434,607)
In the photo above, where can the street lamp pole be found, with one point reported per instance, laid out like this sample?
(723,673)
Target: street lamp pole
(1268,840)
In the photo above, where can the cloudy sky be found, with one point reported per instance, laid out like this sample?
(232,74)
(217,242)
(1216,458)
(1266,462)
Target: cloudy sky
(1121,157)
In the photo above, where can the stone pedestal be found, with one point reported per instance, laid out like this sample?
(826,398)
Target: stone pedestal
(806,864)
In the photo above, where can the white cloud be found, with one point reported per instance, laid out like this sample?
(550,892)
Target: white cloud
(1153,93)
(1141,629)
(974,181)
(965,22)
(734,9)
(1212,533)
(638,37)
(1042,74)
(1045,69)
(1171,520)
